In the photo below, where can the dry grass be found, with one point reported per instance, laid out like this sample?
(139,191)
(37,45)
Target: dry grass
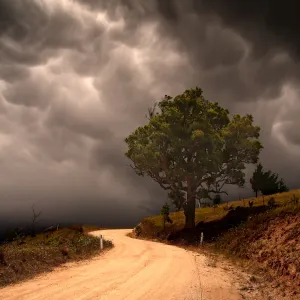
(25,258)
(208,214)
(262,239)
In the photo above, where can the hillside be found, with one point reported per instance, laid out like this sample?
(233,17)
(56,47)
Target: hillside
(264,237)
(26,257)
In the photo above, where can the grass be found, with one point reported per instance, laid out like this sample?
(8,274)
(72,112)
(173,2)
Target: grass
(263,239)
(208,214)
(27,257)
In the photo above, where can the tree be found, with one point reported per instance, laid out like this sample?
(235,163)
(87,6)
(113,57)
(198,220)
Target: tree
(256,179)
(35,216)
(267,182)
(217,199)
(192,146)
(165,211)
(282,187)
(151,111)
(271,184)
(177,197)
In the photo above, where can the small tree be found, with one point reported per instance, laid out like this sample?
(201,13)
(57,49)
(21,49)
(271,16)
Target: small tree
(282,187)
(35,216)
(256,179)
(217,199)
(271,184)
(165,211)
(266,182)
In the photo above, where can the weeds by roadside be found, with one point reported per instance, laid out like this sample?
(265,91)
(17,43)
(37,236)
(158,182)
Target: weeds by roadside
(24,258)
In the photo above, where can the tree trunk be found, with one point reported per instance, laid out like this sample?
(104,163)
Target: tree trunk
(256,193)
(190,206)
(164,222)
(189,212)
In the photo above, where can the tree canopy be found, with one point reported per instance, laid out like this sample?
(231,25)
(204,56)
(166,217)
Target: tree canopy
(193,146)
(266,182)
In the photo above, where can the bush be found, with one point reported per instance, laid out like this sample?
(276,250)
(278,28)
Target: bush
(138,230)
(165,211)
(217,199)
(271,202)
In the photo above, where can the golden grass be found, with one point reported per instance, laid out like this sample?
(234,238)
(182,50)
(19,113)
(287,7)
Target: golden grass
(207,214)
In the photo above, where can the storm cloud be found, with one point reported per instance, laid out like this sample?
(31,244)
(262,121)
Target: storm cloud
(77,76)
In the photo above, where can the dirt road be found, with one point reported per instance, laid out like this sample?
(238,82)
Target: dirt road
(133,269)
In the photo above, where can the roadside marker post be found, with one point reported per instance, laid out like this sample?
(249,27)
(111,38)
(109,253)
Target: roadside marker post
(101,242)
(201,239)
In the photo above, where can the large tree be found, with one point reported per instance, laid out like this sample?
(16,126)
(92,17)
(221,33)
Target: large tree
(192,145)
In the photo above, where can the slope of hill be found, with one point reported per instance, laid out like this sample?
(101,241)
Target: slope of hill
(265,236)
(26,257)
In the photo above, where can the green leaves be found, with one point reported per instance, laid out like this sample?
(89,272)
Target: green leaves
(266,182)
(196,134)
(165,210)
(191,136)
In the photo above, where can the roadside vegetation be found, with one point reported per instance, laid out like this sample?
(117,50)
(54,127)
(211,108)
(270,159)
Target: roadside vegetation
(263,238)
(26,256)
(216,213)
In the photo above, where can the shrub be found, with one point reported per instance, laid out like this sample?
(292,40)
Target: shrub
(271,202)
(165,211)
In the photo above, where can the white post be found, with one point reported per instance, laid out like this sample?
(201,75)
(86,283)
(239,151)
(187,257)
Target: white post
(101,242)
(201,239)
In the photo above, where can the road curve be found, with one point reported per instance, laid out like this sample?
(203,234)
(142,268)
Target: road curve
(133,269)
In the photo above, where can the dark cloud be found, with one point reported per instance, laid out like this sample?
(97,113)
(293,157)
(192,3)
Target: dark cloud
(267,23)
(13,73)
(28,93)
(76,77)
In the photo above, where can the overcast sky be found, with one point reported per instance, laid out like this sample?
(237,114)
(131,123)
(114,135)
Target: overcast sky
(77,76)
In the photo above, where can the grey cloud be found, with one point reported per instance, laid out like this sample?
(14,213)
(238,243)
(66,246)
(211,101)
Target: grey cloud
(74,85)
(291,133)
(68,115)
(218,45)
(34,91)
(268,24)
(12,73)
(30,32)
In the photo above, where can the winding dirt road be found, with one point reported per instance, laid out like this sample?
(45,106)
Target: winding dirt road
(133,269)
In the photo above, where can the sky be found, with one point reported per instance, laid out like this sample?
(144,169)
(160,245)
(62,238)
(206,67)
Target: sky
(77,77)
